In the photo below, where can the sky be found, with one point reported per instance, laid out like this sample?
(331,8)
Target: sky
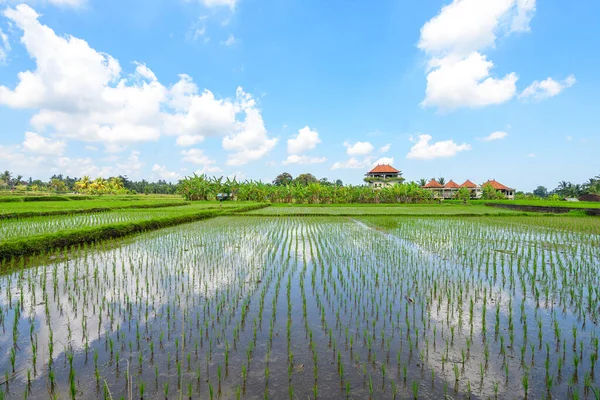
(162,89)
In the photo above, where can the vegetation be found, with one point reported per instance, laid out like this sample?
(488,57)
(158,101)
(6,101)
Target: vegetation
(326,307)
(305,190)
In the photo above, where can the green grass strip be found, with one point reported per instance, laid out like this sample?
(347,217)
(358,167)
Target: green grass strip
(44,243)
(27,214)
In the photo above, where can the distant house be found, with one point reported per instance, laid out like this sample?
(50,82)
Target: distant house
(509,193)
(449,190)
(435,187)
(474,188)
(382,176)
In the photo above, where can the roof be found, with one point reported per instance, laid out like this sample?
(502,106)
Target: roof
(433,184)
(451,185)
(496,185)
(386,169)
(469,184)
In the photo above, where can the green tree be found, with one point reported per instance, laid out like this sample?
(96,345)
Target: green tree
(283,179)
(541,191)
(463,194)
(305,179)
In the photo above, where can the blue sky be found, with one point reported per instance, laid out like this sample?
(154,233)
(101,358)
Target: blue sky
(503,89)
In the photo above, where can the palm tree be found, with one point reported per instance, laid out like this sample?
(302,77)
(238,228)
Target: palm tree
(422,182)
(441,180)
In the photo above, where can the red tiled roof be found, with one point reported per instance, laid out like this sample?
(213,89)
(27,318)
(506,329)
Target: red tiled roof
(385,169)
(469,184)
(451,185)
(433,184)
(496,185)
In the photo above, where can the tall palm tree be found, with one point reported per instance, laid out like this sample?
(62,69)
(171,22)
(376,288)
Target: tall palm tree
(422,182)
(441,180)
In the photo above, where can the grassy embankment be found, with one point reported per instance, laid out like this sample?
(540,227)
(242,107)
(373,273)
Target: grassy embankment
(51,239)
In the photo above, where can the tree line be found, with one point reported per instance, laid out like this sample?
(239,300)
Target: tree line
(86,185)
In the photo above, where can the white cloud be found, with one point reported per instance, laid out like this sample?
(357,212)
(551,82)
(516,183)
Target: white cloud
(358,148)
(305,140)
(424,150)
(531,155)
(162,172)
(35,143)
(386,148)
(498,135)
(458,73)
(352,163)
(250,141)
(197,156)
(4,47)
(303,159)
(569,138)
(230,41)
(383,161)
(220,3)
(466,82)
(547,88)
(80,93)
(189,140)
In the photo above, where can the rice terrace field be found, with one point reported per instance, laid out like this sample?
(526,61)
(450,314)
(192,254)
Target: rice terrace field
(168,299)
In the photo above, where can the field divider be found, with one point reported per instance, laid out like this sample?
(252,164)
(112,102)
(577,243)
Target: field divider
(48,242)
(29,214)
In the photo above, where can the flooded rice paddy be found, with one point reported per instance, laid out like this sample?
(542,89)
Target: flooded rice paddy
(301,307)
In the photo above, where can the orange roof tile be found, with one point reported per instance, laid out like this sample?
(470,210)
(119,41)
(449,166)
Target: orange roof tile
(496,185)
(451,185)
(469,184)
(433,184)
(385,169)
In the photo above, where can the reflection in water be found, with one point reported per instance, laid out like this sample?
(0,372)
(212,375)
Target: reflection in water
(305,307)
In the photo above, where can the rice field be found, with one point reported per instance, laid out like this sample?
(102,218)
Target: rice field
(405,209)
(311,307)
(26,227)
(45,206)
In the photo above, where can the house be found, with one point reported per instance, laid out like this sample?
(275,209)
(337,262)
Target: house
(509,193)
(435,187)
(474,188)
(449,190)
(382,176)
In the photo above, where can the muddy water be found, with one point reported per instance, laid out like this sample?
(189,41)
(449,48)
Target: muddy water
(322,306)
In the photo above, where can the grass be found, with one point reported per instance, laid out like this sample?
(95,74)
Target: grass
(351,210)
(543,203)
(38,235)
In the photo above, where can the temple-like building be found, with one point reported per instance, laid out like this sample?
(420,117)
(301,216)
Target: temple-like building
(383,175)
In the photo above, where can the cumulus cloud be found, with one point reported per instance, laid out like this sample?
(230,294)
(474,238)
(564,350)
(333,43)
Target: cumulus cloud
(498,135)
(358,148)
(197,156)
(250,141)
(35,143)
(303,159)
(458,74)
(383,161)
(385,148)
(162,172)
(82,94)
(423,149)
(305,140)
(547,88)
